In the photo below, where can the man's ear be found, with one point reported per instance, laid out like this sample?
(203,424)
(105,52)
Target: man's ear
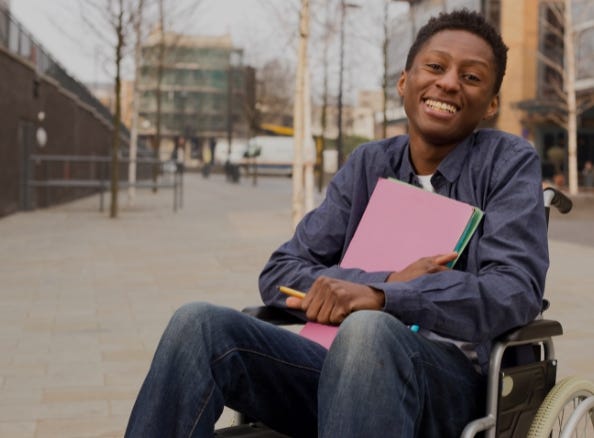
(492,108)
(401,83)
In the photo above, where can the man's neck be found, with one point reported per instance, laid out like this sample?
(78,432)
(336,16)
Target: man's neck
(426,158)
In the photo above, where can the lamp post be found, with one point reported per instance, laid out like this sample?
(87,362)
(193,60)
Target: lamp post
(339,146)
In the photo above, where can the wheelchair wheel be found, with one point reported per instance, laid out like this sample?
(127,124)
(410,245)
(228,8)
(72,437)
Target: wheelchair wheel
(567,411)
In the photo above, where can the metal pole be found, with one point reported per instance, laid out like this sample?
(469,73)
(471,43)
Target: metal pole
(229,112)
(571,101)
(339,146)
(298,116)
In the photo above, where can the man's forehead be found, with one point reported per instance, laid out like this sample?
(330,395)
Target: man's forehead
(474,47)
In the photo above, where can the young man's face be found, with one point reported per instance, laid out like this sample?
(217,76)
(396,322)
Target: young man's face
(449,88)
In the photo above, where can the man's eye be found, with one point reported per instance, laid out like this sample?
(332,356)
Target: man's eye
(435,67)
(472,78)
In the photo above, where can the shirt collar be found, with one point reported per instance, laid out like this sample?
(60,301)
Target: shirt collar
(452,164)
(450,167)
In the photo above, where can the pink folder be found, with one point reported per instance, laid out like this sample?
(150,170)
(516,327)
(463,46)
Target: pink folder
(321,333)
(401,224)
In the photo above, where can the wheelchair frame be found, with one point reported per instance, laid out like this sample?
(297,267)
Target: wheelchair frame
(510,411)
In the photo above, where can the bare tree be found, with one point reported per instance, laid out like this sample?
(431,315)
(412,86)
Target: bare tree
(118,16)
(135,98)
(275,97)
(115,145)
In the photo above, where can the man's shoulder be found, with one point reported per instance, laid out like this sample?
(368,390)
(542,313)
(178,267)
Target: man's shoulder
(501,143)
(385,146)
(495,136)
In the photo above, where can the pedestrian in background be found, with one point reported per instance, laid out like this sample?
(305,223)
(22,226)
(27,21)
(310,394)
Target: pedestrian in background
(588,175)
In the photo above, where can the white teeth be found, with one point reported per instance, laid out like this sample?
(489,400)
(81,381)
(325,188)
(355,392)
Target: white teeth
(441,106)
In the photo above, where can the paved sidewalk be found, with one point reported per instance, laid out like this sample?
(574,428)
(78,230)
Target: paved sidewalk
(84,299)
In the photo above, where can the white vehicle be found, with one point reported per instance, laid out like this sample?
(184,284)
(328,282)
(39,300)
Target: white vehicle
(222,151)
(272,155)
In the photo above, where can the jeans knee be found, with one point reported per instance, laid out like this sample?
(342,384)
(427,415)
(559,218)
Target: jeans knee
(188,314)
(367,328)
(372,334)
(190,321)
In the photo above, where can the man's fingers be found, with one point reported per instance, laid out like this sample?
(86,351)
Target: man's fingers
(445,258)
(293,303)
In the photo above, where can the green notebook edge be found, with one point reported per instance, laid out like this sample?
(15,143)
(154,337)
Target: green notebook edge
(471,226)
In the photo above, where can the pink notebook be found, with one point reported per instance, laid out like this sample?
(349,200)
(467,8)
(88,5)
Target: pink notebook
(321,333)
(401,224)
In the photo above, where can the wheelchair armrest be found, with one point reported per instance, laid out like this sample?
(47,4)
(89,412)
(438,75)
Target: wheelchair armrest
(537,329)
(275,315)
(556,198)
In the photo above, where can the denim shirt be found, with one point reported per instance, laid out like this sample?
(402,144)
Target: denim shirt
(498,281)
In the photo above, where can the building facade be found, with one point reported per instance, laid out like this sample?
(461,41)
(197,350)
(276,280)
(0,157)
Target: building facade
(205,92)
(541,114)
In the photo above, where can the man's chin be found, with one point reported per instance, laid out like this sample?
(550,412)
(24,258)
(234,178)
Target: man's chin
(439,138)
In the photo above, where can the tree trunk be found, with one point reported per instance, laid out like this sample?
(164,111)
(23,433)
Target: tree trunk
(115,144)
(160,67)
(135,97)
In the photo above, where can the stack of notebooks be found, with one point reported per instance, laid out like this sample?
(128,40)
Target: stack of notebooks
(401,224)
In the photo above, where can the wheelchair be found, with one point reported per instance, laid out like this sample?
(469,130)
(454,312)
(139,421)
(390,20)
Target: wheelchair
(523,398)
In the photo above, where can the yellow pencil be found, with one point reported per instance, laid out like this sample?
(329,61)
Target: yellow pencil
(291,292)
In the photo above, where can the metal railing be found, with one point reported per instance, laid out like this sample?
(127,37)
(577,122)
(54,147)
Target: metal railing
(96,174)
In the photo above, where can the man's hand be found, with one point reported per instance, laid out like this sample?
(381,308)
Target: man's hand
(330,301)
(425,265)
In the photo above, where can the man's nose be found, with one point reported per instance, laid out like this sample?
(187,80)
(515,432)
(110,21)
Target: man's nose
(449,81)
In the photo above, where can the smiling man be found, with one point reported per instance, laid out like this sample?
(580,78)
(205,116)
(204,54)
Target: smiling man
(379,378)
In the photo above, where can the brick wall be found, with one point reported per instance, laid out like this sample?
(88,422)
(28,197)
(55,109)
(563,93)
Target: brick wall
(72,129)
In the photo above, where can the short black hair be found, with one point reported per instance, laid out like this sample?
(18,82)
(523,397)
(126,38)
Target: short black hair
(469,21)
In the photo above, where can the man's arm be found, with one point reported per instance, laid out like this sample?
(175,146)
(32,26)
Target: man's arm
(330,301)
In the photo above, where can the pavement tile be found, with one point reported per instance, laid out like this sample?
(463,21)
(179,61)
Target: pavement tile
(57,410)
(17,429)
(108,426)
(88,393)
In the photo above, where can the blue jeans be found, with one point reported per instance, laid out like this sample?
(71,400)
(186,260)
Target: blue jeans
(378,379)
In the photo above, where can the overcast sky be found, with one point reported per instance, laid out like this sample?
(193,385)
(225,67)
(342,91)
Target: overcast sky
(266,29)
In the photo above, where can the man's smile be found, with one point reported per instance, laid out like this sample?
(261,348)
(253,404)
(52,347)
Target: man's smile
(440,106)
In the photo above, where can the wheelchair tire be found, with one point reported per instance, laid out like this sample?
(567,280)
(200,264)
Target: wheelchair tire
(558,406)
